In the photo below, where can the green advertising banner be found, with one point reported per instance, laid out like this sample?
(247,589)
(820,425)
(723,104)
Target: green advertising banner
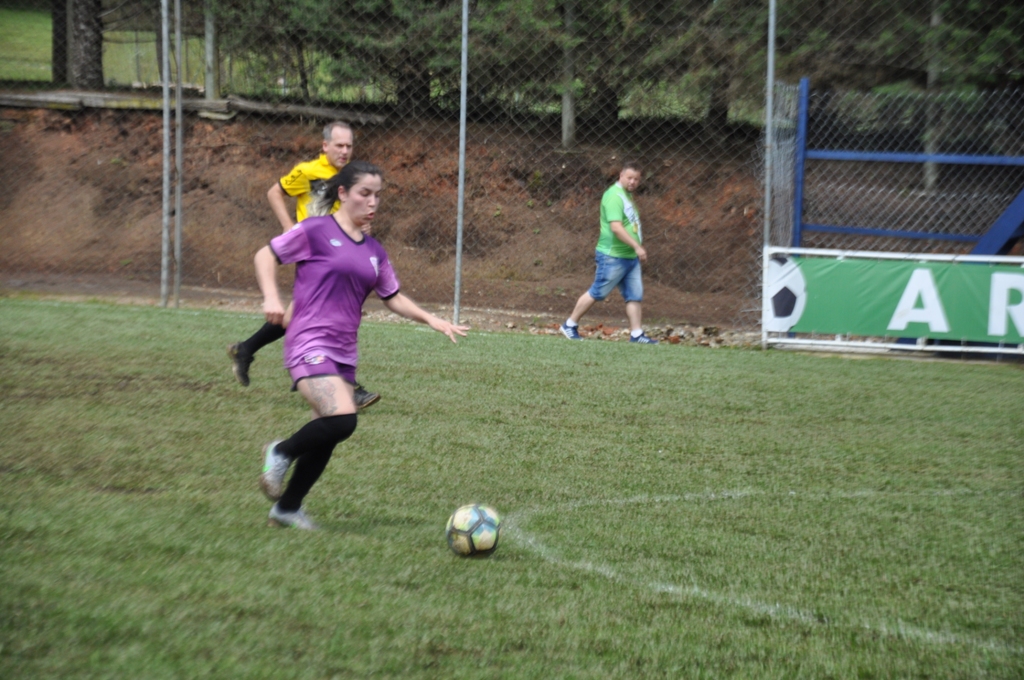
(896,298)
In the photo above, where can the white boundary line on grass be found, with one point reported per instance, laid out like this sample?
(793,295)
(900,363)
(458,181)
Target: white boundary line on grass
(899,630)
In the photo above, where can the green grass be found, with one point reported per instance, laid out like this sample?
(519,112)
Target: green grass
(131,57)
(670,512)
(25,36)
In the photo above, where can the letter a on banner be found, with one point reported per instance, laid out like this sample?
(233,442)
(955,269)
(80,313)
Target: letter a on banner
(999,307)
(921,285)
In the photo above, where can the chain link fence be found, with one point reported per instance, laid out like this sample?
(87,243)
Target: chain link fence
(913,137)
(558,95)
(898,201)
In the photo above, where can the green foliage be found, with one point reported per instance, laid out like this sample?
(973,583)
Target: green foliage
(615,56)
(979,43)
(670,512)
(682,59)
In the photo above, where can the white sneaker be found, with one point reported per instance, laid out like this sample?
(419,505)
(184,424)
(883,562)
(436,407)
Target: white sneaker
(643,339)
(275,467)
(285,519)
(571,332)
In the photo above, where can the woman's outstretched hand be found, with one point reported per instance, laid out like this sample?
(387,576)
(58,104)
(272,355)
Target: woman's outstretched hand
(447,327)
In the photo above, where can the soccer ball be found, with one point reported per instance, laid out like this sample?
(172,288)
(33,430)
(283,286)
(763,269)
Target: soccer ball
(473,530)
(785,294)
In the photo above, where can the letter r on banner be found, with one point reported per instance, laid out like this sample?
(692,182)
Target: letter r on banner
(999,307)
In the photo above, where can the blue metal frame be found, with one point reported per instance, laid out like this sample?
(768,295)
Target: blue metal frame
(1007,229)
(895,233)
(803,101)
(889,157)
(1004,232)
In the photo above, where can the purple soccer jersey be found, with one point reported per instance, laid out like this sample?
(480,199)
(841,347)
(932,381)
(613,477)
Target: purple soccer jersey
(333,277)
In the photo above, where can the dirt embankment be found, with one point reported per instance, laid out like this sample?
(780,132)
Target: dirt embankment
(84,197)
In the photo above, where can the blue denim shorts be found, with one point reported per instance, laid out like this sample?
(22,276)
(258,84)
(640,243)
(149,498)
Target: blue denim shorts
(617,271)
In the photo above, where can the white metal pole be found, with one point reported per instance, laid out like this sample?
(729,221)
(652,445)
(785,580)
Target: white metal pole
(769,150)
(462,160)
(178,151)
(165,78)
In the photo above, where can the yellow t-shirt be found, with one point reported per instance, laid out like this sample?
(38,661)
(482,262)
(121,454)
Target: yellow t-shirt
(306,182)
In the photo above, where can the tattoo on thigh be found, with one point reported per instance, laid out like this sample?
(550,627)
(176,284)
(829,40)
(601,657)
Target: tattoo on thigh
(323,395)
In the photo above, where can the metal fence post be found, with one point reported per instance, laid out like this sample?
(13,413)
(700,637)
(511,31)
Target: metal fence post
(165,241)
(462,161)
(769,138)
(179,151)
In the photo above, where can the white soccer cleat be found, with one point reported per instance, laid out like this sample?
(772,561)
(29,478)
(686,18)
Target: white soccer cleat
(275,467)
(285,519)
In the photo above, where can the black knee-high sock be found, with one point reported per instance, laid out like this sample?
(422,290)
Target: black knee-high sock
(267,334)
(311,447)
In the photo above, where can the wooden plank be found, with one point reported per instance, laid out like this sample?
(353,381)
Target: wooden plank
(74,101)
(59,101)
(239,104)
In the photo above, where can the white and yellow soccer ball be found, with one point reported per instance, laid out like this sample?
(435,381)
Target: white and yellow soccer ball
(473,530)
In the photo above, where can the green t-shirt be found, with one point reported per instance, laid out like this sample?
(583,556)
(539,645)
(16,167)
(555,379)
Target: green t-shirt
(617,206)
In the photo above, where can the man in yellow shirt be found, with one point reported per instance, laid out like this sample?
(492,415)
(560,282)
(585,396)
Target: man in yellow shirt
(305,183)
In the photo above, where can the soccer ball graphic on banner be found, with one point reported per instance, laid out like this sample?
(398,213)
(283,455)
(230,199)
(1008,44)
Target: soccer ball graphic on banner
(785,294)
(473,530)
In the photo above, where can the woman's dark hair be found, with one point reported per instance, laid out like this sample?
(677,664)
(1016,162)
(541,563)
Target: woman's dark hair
(347,177)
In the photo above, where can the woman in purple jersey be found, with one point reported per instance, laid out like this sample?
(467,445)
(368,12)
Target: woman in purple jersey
(337,266)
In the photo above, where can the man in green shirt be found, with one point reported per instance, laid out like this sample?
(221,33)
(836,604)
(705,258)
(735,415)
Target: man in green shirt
(618,257)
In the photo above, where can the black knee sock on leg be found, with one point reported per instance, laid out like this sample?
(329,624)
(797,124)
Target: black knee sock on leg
(267,334)
(311,447)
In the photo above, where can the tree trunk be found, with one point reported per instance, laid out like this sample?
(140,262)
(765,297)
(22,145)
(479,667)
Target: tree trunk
(300,58)
(606,107)
(933,111)
(211,56)
(568,80)
(59,48)
(87,46)
(718,106)
(413,91)
(158,30)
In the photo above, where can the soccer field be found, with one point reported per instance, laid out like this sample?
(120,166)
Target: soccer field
(668,511)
